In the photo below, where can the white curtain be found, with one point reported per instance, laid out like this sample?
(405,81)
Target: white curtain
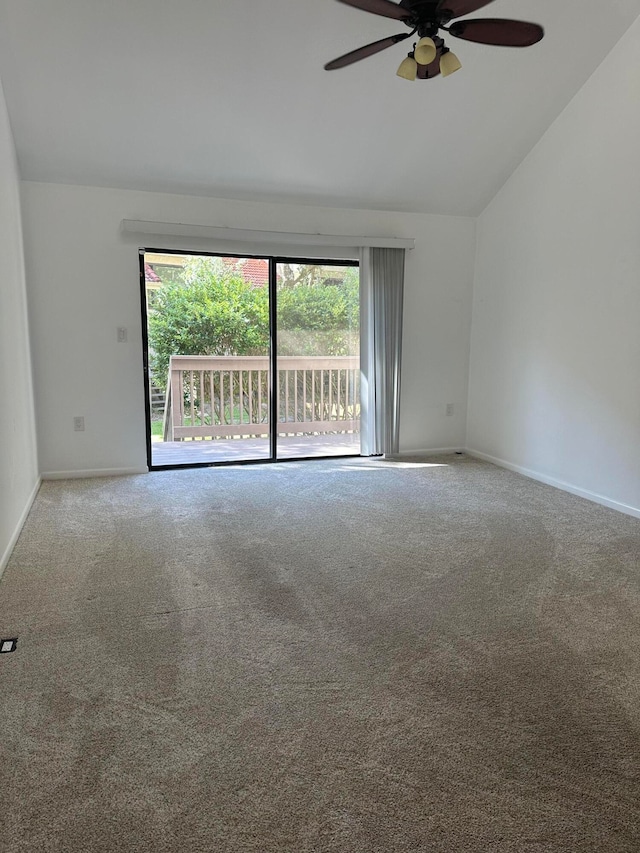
(381,296)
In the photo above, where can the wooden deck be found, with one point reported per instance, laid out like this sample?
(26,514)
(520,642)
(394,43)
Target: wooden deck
(245,449)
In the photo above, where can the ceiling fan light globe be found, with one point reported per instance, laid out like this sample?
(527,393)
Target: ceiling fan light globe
(425,51)
(449,64)
(408,69)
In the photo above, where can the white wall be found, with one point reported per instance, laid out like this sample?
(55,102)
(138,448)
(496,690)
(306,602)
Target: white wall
(18,462)
(555,351)
(83,284)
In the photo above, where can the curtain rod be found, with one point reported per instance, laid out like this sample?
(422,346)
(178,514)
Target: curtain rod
(180,229)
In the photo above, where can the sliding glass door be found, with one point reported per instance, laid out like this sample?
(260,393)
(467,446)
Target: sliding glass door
(249,358)
(208,358)
(318,360)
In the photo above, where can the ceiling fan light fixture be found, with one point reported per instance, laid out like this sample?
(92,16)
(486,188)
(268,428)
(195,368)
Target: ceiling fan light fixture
(408,69)
(449,64)
(425,51)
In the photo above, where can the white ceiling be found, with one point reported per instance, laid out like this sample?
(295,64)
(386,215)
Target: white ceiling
(229,98)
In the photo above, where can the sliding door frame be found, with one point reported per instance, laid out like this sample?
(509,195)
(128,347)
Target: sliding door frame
(273,403)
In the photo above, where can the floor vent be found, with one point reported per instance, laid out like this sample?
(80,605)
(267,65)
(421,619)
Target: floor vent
(7,646)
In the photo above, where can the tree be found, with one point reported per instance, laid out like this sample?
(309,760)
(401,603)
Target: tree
(319,319)
(211,311)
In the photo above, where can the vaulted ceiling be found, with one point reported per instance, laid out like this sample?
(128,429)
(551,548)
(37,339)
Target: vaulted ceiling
(229,98)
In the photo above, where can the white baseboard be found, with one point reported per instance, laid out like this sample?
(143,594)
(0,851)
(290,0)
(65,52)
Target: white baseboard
(428,451)
(558,484)
(23,517)
(94,472)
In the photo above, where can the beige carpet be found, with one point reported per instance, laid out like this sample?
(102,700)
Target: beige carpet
(348,656)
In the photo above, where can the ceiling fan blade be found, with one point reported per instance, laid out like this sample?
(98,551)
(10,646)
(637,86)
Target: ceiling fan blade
(364,52)
(500,31)
(380,7)
(449,9)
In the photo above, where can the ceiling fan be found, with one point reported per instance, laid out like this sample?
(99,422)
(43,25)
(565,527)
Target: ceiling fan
(430,56)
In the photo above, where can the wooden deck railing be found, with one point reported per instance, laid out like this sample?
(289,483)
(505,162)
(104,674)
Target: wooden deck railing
(228,396)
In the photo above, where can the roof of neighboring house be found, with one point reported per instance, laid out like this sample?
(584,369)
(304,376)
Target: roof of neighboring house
(150,275)
(255,270)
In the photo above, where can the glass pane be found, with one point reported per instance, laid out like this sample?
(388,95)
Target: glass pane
(318,350)
(208,326)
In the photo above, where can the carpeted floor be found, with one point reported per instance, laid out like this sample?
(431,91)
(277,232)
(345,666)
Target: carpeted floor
(344,656)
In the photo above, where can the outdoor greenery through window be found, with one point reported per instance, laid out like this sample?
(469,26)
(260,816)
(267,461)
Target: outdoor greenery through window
(208,325)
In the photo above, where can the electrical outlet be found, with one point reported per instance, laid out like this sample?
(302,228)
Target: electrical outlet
(122,335)
(449,410)
(78,423)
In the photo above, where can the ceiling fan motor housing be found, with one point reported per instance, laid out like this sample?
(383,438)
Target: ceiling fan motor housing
(425,15)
